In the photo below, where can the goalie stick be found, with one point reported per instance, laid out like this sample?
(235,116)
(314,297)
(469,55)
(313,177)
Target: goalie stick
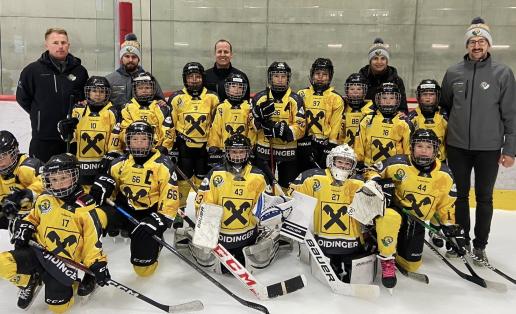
(249,304)
(183,307)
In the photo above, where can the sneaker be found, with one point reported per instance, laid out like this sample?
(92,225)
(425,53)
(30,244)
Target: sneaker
(87,285)
(438,242)
(480,255)
(29,293)
(388,265)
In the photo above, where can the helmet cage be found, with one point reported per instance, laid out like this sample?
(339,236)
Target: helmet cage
(107,92)
(423,161)
(343,151)
(235,82)
(139,151)
(388,109)
(49,181)
(11,153)
(355,100)
(142,81)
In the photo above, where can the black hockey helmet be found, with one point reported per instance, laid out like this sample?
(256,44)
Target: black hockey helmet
(237,142)
(144,87)
(428,85)
(355,79)
(99,84)
(189,68)
(139,128)
(325,65)
(236,80)
(8,152)
(424,136)
(384,90)
(278,67)
(57,171)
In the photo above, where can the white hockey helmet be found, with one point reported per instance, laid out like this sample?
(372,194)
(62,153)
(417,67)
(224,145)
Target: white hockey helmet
(343,151)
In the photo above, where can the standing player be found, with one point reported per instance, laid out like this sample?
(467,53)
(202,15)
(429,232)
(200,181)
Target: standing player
(385,133)
(20,183)
(145,184)
(423,186)
(340,236)
(279,118)
(193,108)
(65,222)
(233,116)
(95,128)
(324,108)
(356,108)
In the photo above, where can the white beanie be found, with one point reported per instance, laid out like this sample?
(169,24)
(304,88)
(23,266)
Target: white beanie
(130,45)
(378,49)
(478,28)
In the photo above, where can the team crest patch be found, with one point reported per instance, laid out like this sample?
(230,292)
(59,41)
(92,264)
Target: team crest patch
(44,206)
(317,185)
(387,241)
(400,175)
(484,85)
(218,181)
(71,77)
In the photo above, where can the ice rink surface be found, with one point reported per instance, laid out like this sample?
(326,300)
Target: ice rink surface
(176,282)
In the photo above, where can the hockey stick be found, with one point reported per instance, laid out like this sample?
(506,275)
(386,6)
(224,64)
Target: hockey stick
(250,304)
(413,275)
(184,307)
(68,116)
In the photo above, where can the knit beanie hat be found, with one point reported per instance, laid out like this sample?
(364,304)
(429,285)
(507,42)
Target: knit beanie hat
(130,45)
(378,49)
(478,28)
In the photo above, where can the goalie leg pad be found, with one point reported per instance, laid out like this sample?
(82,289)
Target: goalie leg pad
(363,269)
(205,258)
(262,254)
(207,228)
(303,254)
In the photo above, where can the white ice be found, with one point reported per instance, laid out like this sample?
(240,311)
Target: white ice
(176,282)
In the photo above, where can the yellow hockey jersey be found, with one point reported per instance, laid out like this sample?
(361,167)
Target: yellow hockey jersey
(289,109)
(323,113)
(193,116)
(96,134)
(25,176)
(154,114)
(151,186)
(423,194)
(379,138)
(228,120)
(438,124)
(237,194)
(351,122)
(70,231)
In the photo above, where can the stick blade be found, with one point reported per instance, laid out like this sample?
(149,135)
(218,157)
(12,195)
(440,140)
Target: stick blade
(191,306)
(365,291)
(287,286)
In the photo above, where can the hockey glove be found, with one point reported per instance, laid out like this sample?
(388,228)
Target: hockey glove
(66,127)
(14,202)
(263,111)
(155,224)
(215,156)
(101,273)
(278,130)
(105,162)
(102,188)
(456,235)
(387,189)
(162,149)
(23,231)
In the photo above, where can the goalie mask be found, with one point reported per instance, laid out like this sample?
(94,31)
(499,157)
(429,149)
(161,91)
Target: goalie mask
(139,138)
(193,78)
(355,90)
(97,91)
(237,148)
(278,76)
(8,152)
(388,98)
(236,86)
(321,74)
(342,162)
(428,93)
(424,145)
(60,175)
(144,87)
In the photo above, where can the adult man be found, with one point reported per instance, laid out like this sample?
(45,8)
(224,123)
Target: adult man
(121,80)
(216,76)
(480,96)
(44,91)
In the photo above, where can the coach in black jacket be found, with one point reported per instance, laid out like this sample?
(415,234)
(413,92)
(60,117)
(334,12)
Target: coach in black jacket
(44,91)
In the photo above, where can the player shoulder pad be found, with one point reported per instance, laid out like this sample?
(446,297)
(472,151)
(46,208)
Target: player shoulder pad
(337,93)
(412,114)
(165,160)
(444,168)
(396,160)
(256,170)
(120,159)
(210,92)
(32,163)
(308,174)
(174,95)
(259,95)
(297,98)
(79,106)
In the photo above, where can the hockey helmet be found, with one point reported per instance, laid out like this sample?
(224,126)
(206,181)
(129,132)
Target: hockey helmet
(144,87)
(236,86)
(424,136)
(426,86)
(338,154)
(8,152)
(353,96)
(237,150)
(278,69)
(60,175)
(97,91)
(139,138)
(321,64)
(388,98)
(195,88)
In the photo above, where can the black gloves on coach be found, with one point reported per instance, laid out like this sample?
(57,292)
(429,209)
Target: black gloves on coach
(102,188)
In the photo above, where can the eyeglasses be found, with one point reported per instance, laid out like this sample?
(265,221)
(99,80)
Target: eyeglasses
(480,42)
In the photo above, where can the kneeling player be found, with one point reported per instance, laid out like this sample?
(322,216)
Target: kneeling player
(65,222)
(425,188)
(145,184)
(337,233)
(236,186)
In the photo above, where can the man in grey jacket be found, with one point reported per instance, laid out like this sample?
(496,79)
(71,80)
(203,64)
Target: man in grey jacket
(122,79)
(480,96)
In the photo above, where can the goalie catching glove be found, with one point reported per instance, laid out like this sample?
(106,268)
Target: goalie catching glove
(368,203)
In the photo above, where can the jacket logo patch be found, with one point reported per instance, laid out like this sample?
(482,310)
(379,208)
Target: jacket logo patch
(484,85)
(71,77)
(45,207)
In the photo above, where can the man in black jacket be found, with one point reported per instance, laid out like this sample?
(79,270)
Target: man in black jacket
(44,91)
(378,71)
(216,76)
